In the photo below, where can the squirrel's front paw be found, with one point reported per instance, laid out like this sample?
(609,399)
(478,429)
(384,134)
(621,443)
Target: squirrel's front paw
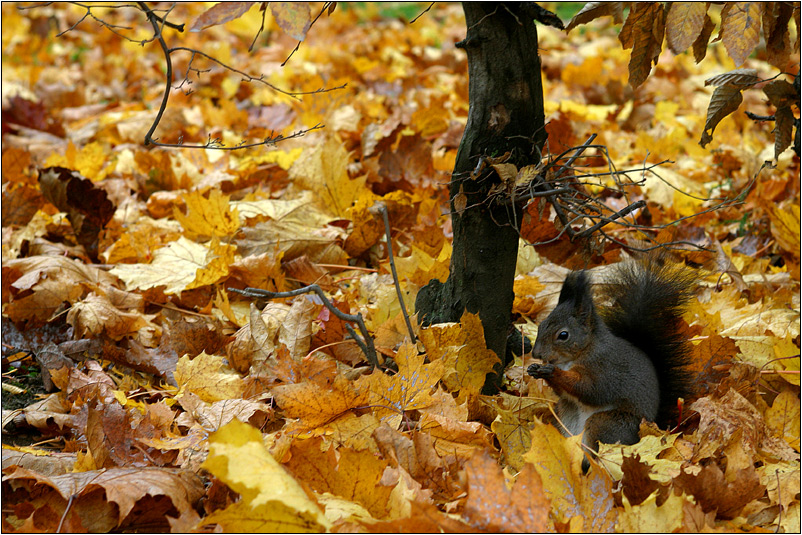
(540,371)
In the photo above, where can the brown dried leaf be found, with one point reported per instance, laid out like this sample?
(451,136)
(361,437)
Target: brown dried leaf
(126,487)
(53,280)
(776,16)
(781,94)
(87,206)
(725,100)
(739,78)
(220,13)
(720,419)
(715,493)
(594,10)
(293,17)
(740,29)
(636,483)
(684,24)
(783,130)
(20,204)
(96,314)
(491,506)
(700,45)
(646,31)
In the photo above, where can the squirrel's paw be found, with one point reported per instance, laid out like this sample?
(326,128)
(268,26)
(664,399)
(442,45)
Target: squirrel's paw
(540,371)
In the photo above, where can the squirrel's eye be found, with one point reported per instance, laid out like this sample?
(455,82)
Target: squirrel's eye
(563,335)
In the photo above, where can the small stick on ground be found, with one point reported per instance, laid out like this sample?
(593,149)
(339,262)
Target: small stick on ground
(365,343)
(382,209)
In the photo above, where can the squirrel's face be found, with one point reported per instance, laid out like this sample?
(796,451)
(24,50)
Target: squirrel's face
(562,338)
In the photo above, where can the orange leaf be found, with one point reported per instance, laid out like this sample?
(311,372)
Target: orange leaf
(348,474)
(491,506)
(319,403)
(409,389)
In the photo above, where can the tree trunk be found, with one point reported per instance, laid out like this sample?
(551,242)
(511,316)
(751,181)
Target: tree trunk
(505,116)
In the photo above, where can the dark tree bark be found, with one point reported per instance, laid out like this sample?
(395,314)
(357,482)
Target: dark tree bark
(505,116)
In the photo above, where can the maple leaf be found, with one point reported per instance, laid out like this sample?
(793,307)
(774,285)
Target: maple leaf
(318,403)
(492,506)
(271,499)
(181,265)
(461,347)
(407,390)
(207,217)
(208,377)
(323,170)
(350,475)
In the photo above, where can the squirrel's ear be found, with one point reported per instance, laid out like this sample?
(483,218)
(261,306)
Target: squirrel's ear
(576,290)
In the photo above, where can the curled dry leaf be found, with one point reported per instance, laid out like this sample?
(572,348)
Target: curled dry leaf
(87,205)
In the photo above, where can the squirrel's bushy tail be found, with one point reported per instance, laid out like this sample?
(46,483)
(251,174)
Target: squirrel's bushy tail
(648,299)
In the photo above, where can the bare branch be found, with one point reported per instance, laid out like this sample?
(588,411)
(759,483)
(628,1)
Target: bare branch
(365,343)
(382,209)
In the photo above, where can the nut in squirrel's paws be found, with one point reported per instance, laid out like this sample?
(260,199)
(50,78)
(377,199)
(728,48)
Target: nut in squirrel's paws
(540,371)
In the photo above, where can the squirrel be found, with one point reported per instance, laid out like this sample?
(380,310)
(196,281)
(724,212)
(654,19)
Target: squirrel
(614,366)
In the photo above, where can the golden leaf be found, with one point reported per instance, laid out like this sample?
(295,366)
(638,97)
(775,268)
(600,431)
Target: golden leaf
(207,217)
(271,499)
(208,377)
(181,265)
(740,29)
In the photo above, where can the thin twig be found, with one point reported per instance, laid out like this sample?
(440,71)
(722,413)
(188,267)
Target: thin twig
(421,13)
(168,75)
(326,6)
(382,209)
(365,343)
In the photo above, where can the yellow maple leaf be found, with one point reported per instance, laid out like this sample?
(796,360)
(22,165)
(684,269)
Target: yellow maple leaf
(513,435)
(208,377)
(89,161)
(283,159)
(179,266)
(648,517)
(783,417)
(271,499)
(207,217)
(461,347)
(474,361)
(419,267)
(409,389)
(785,224)
(323,170)
(557,459)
